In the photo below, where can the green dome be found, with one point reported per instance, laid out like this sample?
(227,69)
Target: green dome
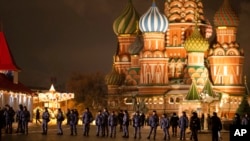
(127,22)
(114,78)
(196,42)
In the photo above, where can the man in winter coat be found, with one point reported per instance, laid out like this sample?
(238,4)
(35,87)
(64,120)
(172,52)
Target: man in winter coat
(87,118)
(8,119)
(112,122)
(174,124)
(59,120)
(20,128)
(125,124)
(183,125)
(153,123)
(105,129)
(165,124)
(137,124)
(98,121)
(120,117)
(216,126)
(194,126)
(25,117)
(72,118)
(45,121)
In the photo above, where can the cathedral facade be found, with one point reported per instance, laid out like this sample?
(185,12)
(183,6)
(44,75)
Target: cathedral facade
(165,62)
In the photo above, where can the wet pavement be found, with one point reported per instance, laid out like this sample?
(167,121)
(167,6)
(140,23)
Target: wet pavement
(35,135)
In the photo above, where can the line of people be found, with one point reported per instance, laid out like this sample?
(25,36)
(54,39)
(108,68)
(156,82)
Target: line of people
(8,116)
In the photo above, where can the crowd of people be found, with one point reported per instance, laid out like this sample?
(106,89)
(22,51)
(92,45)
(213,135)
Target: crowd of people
(107,121)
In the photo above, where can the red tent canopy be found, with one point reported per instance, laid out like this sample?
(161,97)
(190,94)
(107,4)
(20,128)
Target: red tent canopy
(6,60)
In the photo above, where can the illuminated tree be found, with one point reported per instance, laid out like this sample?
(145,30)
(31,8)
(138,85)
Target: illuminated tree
(244,106)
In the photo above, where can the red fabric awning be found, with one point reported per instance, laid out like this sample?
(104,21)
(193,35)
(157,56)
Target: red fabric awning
(6,60)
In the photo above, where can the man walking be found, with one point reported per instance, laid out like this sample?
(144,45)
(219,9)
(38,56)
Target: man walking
(153,123)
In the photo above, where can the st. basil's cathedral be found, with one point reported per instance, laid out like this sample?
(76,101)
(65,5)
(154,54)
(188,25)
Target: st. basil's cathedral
(164,61)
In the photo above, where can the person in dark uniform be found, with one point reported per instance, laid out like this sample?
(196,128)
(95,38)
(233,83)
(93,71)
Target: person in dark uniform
(125,124)
(174,124)
(20,128)
(59,120)
(183,125)
(72,118)
(67,116)
(165,125)
(25,117)
(194,126)
(208,122)
(153,123)
(216,126)
(137,124)
(38,116)
(105,128)
(87,118)
(120,117)
(143,117)
(112,122)
(237,120)
(45,121)
(98,122)
(7,119)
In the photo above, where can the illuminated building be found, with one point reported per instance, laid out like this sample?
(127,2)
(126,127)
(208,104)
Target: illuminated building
(164,61)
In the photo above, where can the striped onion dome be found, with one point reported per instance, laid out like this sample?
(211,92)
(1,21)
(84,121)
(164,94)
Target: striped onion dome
(126,23)
(136,46)
(225,16)
(114,78)
(196,42)
(153,20)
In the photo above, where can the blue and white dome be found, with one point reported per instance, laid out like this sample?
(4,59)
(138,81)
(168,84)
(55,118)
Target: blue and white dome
(153,20)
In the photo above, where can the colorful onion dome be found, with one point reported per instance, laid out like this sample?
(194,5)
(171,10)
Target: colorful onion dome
(136,46)
(195,42)
(126,23)
(153,20)
(225,16)
(114,78)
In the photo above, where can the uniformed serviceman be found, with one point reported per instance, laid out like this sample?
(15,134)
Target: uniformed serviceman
(105,129)
(137,124)
(72,117)
(153,123)
(98,123)
(25,118)
(46,120)
(125,124)
(112,122)
(59,120)
(87,118)
(165,124)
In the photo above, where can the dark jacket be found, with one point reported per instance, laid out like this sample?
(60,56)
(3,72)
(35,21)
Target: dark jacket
(136,121)
(87,117)
(154,121)
(195,123)
(165,123)
(216,123)
(112,120)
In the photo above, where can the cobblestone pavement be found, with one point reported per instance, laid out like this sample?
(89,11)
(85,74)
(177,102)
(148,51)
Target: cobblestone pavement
(35,135)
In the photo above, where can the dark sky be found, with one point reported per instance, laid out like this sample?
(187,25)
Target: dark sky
(58,37)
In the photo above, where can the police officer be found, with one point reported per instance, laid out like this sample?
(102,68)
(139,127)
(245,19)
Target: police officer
(194,126)
(87,118)
(72,119)
(19,120)
(216,126)
(153,123)
(46,119)
(183,124)
(165,124)
(112,122)
(25,117)
(137,124)
(7,119)
(59,120)
(120,117)
(98,122)
(105,115)
(125,124)
(174,124)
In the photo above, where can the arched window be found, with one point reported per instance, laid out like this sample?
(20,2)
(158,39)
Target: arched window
(171,100)
(177,100)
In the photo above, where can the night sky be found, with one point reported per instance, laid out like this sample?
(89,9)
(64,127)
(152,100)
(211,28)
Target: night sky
(54,38)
